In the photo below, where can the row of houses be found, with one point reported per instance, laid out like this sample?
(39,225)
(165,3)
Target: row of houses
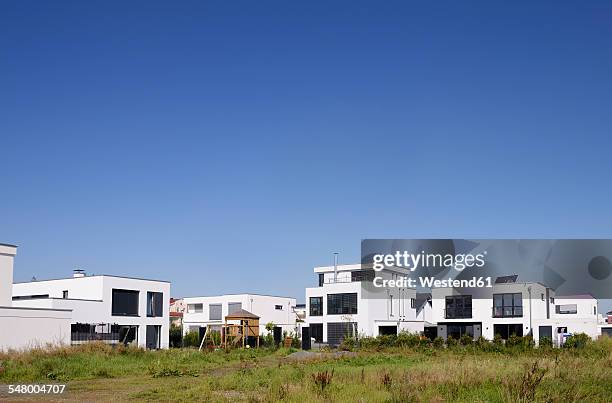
(127,310)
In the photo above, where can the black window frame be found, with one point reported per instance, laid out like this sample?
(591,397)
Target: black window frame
(315,312)
(505,310)
(321,279)
(362,275)
(65,294)
(278,307)
(155,304)
(342,303)
(114,302)
(573,312)
(454,312)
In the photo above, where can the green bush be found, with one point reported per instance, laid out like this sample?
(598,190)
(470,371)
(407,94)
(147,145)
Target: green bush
(577,340)
(546,342)
(451,342)
(191,339)
(466,340)
(176,336)
(348,344)
(497,340)
(406,339)
(438,342)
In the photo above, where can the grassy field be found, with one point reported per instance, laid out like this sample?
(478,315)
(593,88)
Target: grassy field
(97,372)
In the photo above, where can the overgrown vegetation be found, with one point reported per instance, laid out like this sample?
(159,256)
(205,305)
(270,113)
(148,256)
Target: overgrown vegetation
(389,369)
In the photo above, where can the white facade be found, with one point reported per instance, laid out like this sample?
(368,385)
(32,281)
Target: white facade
(513,308)
(210,311)
(92,299)
(375,311)
(24,328)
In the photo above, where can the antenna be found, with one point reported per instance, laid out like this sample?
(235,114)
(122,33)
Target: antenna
(335,267)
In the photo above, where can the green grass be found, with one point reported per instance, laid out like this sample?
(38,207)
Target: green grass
(392,374)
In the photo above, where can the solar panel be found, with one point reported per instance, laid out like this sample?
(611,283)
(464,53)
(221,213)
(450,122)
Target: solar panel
(506,279)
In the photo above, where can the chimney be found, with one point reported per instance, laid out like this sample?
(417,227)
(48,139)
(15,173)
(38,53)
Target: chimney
(77,273)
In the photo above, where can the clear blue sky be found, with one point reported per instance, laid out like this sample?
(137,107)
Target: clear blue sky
(232,147)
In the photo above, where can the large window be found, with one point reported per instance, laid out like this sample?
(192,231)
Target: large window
(316,306)
(458,307)
(507,330)
(566,309)
(233,307)
(336,332)
(125,302)
(195,308)
(342,304)
(155,304)
(362,275)
(214,312)
(508,305)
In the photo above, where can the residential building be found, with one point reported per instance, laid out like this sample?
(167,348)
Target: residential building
(24,328)
(210,311)
(177,310)
(512,307)
(113,309)
(345,303)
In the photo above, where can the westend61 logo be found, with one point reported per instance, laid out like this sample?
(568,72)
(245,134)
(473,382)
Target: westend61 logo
(412,261)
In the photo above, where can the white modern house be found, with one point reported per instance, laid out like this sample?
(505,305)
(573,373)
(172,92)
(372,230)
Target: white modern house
(23,328)
(113,309)
(345,303)
(209,312)
(512,307)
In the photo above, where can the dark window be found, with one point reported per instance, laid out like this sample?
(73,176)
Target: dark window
(125,302)
(195,308)
(387,330)
(153,337)
(542,297)
(342,304)
(412,303)
(316,332)
(234,307)
(566,309)
(65,294)
(594,310)
(507,330)
(458,307)
(456,331)
(508,305)
(155,304)
(337,331)
(321,279)
(214,312)
(362,275)
(316,306)
(278,307)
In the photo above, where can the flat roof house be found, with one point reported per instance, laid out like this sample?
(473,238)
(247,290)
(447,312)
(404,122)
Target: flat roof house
(23,328)
(210,311)
(512,307)
(345,303)
(113,309)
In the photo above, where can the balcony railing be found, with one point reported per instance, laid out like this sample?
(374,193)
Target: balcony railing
(507,312)
(457,314)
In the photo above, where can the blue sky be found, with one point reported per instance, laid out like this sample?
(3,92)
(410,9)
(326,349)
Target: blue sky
(232,147)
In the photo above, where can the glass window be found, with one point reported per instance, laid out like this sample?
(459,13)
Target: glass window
(278,307)
(342,304)
(214,312)
(195,308)
(458,307)
(316,306)
(566,309)
(124,302)
(155,304)
(234,307)
(507,305)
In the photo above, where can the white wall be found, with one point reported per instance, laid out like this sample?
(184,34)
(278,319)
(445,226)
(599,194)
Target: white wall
(7,254)
(260,305)
(27,328)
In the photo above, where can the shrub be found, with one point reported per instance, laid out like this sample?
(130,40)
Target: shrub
(322,379)
(406,339)
(482,343)
(176,336)
(451,342)
(497,340)
(348,344)
(191,339)
(577,340)
(466,340)
(514,340)
(438,342)
(546,342)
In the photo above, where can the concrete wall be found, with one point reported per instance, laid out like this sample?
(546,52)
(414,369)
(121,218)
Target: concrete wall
(7,254)
(23,329)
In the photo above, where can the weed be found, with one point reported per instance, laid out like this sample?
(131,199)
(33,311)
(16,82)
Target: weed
(322,379)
